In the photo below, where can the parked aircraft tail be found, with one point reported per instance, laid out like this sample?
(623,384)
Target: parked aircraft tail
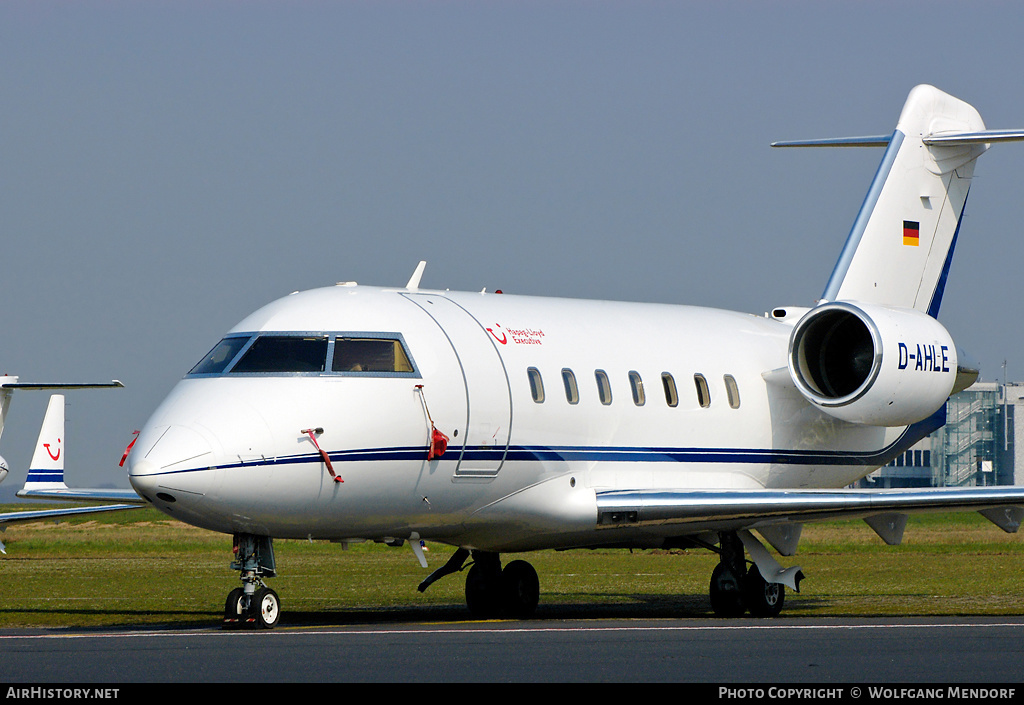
(899,250)
(46,471)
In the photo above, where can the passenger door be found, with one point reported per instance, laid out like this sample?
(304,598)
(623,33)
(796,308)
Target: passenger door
(488,426)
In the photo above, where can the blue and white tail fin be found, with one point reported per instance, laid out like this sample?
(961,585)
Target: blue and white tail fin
(899,250)
(46,471)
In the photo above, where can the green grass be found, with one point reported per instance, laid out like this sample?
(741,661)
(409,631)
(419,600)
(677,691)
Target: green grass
(139,568)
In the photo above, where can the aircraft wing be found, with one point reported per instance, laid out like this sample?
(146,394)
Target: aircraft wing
(75,494)
(727,510)
(38,514)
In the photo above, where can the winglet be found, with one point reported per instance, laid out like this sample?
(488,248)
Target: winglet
(414,280)
(46,472)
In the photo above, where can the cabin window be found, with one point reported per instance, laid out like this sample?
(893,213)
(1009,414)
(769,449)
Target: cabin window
(637,386)
(669,383)
(703,393)
(370,355)
(604,388)
(536,384)
(284,353)
(217,360)
(572,392)
(732,390)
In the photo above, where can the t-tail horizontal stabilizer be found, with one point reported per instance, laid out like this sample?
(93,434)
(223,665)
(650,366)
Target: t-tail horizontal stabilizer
(900,247)
(8,383)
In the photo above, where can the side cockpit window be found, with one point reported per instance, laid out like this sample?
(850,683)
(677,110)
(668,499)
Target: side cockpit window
(369,355)
(217,360)
(284,353)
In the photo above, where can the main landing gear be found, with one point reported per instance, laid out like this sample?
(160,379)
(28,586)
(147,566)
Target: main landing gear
(735,589)
(492,591)
(254,605)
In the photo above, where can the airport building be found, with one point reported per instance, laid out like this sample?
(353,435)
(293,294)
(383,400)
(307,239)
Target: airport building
(975,447)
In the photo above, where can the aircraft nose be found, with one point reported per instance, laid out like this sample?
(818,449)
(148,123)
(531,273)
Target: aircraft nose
(172,457)
(201,426)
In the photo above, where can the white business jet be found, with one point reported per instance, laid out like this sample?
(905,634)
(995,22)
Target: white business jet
(45,478)
(500,424)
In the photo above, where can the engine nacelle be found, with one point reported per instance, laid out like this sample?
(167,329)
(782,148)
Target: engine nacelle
(872,364)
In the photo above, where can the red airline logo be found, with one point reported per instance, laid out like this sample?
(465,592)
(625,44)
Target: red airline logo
(503,339)
(48,452)
(519,336)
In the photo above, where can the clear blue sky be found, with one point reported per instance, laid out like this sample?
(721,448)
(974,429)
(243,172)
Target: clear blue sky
(167,167)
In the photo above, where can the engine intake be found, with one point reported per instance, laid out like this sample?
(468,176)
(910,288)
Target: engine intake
(871,364)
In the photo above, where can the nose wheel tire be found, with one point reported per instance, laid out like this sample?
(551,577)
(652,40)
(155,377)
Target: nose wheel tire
(263,610)
(266,608)
(234,609)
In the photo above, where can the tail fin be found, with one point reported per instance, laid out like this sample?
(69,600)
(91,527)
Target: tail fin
(901,245)
(46,472)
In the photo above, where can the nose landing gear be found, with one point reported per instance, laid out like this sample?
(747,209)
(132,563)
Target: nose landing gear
(254,605)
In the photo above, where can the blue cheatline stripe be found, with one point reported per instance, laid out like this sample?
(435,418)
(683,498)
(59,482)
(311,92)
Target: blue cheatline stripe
(623,454)
(940,286)
(860,224)
(45,476)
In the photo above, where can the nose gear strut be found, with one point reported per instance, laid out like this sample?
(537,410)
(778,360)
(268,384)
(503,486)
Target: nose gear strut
(254,604)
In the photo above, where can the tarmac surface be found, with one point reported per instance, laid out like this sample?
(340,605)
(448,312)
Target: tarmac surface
(835,651)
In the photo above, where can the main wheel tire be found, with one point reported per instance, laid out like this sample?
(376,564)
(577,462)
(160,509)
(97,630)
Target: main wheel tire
(266,608)
(726,592)
(483,591)
(520,589)
(234,613)
(763,599)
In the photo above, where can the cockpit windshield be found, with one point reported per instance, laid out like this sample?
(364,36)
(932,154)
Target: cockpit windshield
(361,354)
(222,354)
(282,353)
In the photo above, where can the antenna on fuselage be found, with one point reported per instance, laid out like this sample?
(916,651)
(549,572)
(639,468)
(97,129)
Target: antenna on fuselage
(414,280)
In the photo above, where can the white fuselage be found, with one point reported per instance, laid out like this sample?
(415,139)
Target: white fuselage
(229,450)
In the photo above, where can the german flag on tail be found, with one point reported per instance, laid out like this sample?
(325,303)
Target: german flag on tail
(911,233)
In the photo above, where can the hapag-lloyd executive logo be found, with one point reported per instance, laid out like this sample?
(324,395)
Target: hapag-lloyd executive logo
(519,336)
